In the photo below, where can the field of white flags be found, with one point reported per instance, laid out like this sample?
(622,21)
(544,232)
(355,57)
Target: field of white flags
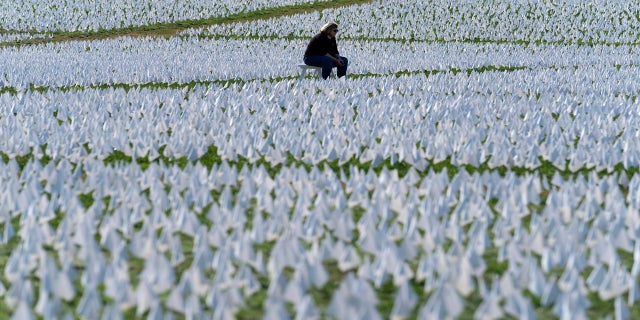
(165,160)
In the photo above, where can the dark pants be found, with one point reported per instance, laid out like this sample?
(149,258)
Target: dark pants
(327,64)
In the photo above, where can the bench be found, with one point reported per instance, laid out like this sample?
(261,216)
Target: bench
(304,68)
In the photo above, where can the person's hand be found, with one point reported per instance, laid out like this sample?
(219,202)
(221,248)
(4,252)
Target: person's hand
(339,63)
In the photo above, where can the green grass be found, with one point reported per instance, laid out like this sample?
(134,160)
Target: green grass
(5,252)
(211,157)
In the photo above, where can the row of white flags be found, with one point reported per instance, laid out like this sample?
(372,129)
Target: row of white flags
(181,60)
(426,234)
(41,15)
(202,242)
(481,118)
(532,22)
(558,21)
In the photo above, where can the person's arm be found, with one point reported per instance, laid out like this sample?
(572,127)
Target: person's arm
(335,59)
(333,52)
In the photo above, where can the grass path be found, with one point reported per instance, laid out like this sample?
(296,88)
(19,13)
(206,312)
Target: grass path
(170,29)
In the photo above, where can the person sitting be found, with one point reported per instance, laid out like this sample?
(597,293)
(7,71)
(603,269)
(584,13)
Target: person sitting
(322,51)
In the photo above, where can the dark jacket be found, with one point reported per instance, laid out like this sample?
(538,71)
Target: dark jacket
(320,45)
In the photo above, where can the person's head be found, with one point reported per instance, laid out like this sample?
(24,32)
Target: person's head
(330,29)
